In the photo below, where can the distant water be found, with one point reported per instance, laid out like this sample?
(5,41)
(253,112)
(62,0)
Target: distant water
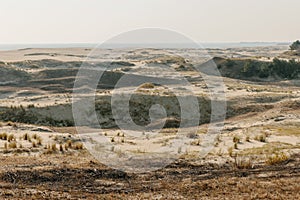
(90,45)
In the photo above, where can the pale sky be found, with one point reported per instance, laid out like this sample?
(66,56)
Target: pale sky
(94,21)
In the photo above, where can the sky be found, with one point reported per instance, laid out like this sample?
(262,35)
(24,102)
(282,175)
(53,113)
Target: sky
(95,21)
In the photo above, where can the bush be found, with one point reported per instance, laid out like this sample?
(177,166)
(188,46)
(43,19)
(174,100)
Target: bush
(295,45)
(281,68)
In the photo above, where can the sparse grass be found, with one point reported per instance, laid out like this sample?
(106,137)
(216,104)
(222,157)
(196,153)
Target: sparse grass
(267,149)
(276,159)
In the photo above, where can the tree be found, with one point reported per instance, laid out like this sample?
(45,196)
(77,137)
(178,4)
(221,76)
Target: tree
(295,45)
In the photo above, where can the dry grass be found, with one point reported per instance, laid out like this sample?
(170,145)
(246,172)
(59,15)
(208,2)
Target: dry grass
(12,145)
(261,138)
(26,136)
(276,159)
(34,144)
(69,143)
(11,137)
(3,136)
(53,147)
(39,140)
(243,163)
(236,139)
(78,146)
(147,86)
(247,139)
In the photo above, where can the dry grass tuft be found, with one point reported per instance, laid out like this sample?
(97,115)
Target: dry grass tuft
(78,146)
(3,136)
(236,139)
(26,136)
(276,159)
(147,86)
(261,138)
(11,137)
(69,143)
(34,144)
(12,145)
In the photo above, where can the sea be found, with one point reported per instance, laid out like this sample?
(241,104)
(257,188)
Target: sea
(216,45)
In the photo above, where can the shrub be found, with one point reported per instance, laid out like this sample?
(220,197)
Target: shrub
(230,63)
